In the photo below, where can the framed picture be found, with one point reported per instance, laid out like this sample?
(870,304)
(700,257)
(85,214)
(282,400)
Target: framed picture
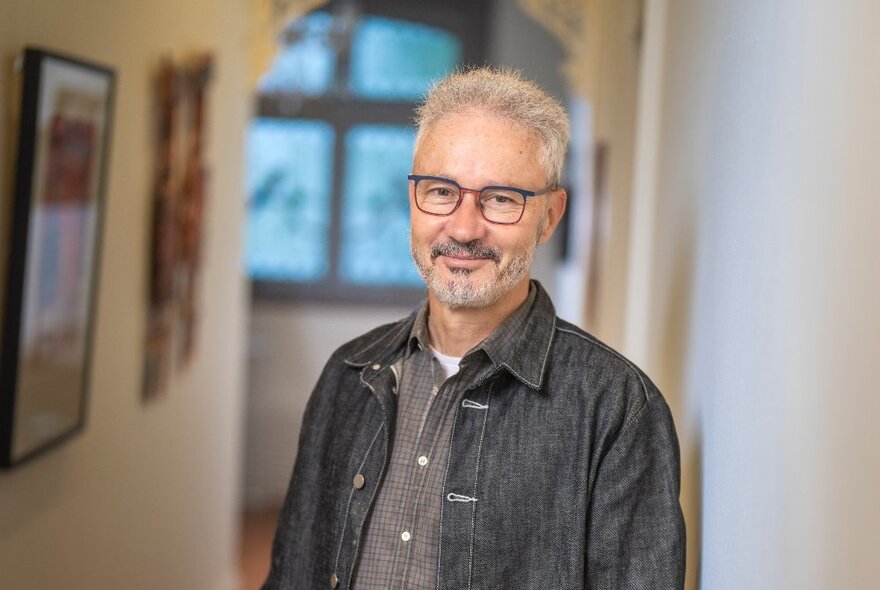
(50,283)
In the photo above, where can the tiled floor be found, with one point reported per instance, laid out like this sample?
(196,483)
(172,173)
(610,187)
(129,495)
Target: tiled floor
(256,543)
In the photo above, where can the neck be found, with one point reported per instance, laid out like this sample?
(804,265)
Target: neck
(455,330)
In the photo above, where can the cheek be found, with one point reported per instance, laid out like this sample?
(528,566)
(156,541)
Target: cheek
(525,239)
(424,228)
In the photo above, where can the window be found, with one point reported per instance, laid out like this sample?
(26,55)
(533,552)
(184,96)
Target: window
(330,148)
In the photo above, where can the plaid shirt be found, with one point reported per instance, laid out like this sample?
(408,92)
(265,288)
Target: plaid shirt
(402,535)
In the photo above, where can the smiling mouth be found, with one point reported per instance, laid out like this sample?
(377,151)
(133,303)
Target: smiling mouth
(464,265)
(468,254)
(466,259)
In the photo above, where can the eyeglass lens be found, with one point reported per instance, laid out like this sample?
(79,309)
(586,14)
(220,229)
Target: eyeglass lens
(441,198)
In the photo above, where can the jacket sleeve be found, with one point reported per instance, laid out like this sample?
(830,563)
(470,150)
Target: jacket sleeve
(635,529)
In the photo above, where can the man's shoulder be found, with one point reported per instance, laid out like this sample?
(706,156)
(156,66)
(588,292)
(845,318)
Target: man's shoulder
(591,357)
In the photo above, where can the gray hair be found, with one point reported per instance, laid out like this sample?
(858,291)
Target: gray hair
(504,93)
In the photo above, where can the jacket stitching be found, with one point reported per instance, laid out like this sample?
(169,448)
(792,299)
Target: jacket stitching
(476,481)
(547,352)
(442,509)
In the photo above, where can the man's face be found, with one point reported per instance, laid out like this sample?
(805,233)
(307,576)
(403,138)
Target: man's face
(466,260)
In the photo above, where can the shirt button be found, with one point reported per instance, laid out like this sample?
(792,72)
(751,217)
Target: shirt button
(334,581)
(405,536)
(377,366)
(358,481)
(423,460)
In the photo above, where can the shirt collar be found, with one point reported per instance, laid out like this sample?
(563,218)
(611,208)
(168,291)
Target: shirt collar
(418,336)
(499,345)
(521,344)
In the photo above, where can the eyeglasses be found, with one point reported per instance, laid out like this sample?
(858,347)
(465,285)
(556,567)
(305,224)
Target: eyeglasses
(435,195)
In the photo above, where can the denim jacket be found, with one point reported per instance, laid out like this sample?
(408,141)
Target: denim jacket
(563,469)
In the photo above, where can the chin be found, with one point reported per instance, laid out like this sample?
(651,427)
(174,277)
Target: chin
(460,289)
(459,296)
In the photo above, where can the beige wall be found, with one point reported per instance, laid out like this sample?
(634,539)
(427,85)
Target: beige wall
(146,497)
(616,92)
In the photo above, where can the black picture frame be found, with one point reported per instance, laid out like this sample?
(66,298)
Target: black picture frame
(55,228)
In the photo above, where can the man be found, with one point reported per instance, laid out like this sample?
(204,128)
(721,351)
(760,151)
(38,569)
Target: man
(482,442)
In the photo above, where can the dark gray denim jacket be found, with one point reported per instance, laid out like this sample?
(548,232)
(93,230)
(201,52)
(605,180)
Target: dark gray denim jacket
(563,470)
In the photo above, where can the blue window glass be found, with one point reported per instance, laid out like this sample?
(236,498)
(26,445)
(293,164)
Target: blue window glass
(307,63)
(398,60)
(323,217)
(375,210)
(289,182)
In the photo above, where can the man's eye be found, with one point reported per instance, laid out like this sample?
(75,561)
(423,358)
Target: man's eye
(442,192)
(498,199)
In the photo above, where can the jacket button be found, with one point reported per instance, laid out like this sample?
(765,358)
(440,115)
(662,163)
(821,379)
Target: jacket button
(334,581)
(376,367)
(359,481)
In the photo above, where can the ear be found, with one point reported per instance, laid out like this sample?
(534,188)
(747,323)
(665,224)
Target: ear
(556,201)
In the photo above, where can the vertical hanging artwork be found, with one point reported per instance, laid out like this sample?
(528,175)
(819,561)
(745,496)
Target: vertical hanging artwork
(50,278)
(179,195)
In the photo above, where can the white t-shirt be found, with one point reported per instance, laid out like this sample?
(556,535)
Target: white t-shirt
(449,363)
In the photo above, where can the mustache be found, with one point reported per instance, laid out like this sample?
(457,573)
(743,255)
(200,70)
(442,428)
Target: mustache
(474,248)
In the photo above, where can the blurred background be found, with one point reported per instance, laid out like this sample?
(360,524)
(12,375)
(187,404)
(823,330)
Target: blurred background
(722,233)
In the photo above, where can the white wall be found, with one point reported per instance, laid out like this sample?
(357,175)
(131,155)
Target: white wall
(147,496)
(616,90)
(764,280)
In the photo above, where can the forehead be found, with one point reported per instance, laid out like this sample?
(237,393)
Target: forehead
(475,146)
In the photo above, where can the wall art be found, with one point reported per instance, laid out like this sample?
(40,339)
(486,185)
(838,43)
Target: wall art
(54,250)
(179,196)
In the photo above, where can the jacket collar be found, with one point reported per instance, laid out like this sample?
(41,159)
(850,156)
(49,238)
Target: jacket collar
(526,360)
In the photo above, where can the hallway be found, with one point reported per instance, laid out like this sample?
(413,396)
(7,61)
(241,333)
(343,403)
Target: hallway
(734,258)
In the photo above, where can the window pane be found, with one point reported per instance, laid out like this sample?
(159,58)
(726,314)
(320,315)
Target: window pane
(289,165)
(375,215)
(307,62)
(392,59)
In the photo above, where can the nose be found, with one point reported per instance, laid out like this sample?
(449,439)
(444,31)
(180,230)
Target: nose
(467,222)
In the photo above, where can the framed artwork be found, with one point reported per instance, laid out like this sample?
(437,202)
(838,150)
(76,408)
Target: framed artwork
(51,274)
(180,195)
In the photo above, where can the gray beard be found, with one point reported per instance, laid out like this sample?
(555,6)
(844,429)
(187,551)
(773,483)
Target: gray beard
(460,291)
